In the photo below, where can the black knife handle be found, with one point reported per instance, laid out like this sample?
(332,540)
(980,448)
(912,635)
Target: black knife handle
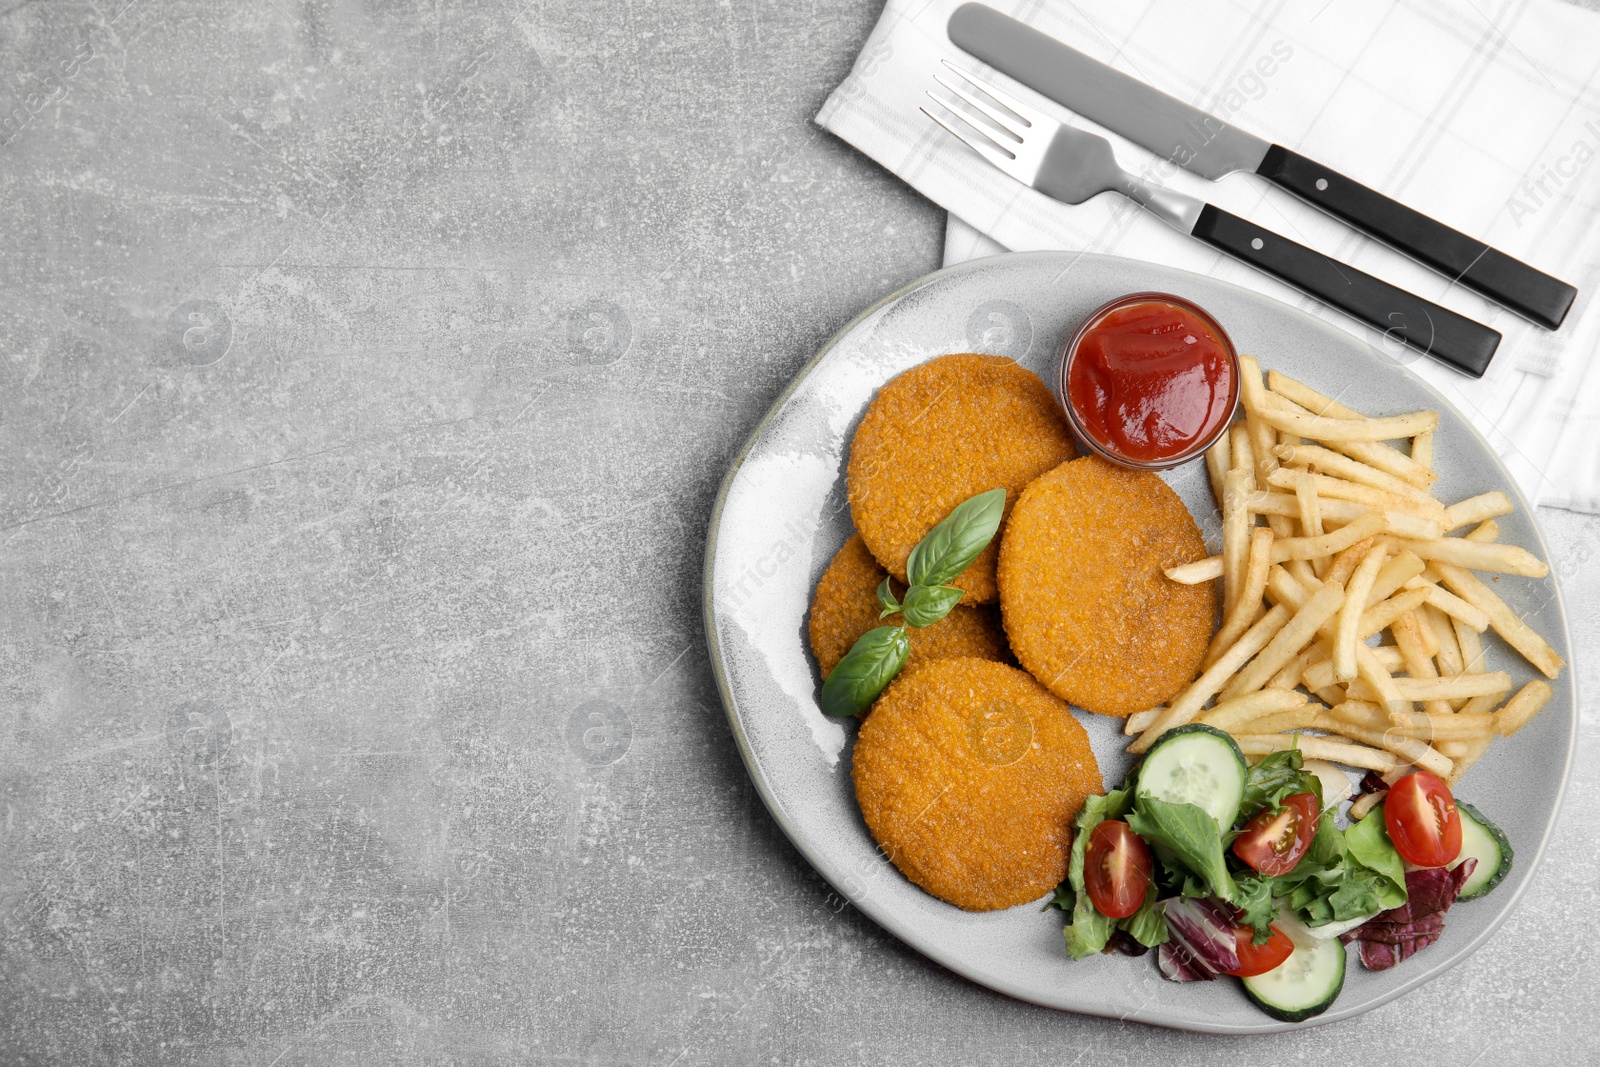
(1436,331)
(1509,282)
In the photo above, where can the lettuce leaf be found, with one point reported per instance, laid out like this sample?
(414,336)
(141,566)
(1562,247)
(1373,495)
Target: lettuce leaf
(1275,777)
(1185,835)
(1148,925)
(1096,810)
(1256,904)
(1369,846)
(1088,931)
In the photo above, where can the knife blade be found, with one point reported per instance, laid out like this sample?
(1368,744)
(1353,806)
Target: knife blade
(1205,145)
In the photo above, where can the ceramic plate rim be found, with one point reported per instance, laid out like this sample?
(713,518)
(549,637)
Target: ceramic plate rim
(893,923)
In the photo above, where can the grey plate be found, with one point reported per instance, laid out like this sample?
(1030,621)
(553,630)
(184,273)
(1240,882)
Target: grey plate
(782,514)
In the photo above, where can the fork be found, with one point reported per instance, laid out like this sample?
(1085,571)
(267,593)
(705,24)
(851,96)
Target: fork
(1072,165)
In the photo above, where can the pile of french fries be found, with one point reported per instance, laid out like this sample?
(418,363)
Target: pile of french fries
(1330,536)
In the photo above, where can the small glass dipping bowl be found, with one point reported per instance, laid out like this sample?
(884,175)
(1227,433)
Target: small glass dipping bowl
(1173,382)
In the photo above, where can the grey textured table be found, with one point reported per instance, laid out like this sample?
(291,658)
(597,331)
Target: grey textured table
(368,373)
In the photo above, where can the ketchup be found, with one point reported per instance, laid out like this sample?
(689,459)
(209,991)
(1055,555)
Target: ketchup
(1150,381)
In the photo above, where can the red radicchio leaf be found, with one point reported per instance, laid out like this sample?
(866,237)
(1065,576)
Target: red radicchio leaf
(1203,943)
(1400,933)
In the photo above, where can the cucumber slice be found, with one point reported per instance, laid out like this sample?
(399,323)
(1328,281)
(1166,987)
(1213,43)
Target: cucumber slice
(1483,841)
(1197,765)
(1303,985)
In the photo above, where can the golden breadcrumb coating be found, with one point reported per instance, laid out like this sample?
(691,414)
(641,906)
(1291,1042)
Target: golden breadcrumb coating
(969,775)
(1085,604)
(941,433)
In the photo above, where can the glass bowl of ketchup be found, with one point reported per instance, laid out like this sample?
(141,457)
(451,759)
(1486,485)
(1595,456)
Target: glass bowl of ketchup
(1149,381)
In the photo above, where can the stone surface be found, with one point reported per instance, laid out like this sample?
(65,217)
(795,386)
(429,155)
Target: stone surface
(367,370)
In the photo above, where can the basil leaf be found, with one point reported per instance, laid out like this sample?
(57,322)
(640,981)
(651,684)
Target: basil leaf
(950,547)
(1088,931)
(1148,925)
(1368,844)
(1190,835)
(1096,810)
(927,604)
(871,664)
(886,599)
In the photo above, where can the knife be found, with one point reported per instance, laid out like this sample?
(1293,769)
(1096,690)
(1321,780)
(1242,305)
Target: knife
(1211,148)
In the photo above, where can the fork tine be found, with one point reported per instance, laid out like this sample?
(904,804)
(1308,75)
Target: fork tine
(978,141)
(1006,123)
(1028,116)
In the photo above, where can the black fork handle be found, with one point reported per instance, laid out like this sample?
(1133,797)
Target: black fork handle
(1433,330)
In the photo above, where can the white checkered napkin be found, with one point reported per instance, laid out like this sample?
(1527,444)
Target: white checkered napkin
(1485,115)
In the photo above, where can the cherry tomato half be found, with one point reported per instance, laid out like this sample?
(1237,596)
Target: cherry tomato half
(1257,959)
(1422,820)
(1275,839)
(1116,869)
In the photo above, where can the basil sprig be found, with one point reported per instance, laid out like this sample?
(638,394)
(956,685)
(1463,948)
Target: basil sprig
(950,547)
(927,604)
(871,664)
(947,550)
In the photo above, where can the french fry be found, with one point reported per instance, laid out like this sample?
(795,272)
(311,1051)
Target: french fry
(1344,564)
(1365,803)
(1329,543)
(1282,416)
(1453,749)
(1522,707)
(1288,641)
(1485,532)
(1217,463)
(1383,457)
(1449,654)
(1504,559)
(1476,509)
(1235,536)
(1294,671)
(1461,686)
(1331,694)
(1344,641)
(1471,647)
(1140,721)
(1244,457)
(1430,642)
(1385,687)
(1361,721)
(1318,675)
(1187,704)
(1448,603)
(1518,634)
(1402,522)
(1395,573)
(1235,716)
(1331,488)
(1334,751)
(1449,726)
(1407,632)
(1263,438)
(1487,702)
(1422,448)
(1300,718)
(1327,461)
(1380,617)
(1303,572)
(1203,570)
(1248,603)
(1310,518)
